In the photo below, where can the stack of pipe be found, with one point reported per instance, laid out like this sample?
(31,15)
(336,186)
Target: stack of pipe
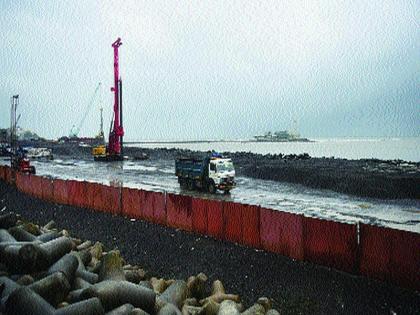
(44,271)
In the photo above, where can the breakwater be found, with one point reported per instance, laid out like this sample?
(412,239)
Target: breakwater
(376,252)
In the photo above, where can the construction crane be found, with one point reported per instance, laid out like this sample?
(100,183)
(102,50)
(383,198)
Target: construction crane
(18,160)
(114,150)
(74,131)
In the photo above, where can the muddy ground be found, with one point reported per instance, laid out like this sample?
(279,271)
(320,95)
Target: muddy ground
(393,179)
(296,287)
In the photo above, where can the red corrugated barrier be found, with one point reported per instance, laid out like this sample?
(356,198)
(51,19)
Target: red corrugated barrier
(152,206)
(20,181)
(159,208)
(390,255)
(47,189)
(147,205)
(60,191)
(108,199)
(214,218)
(329,243)
(91,190)
(96,196)
(282,233)
(384,253)
(199,215)
(76,193)
(131,203)
(26,184)
(251,226)
(2,172)
(232,218)
(179,211)
(29,185)
(36,186)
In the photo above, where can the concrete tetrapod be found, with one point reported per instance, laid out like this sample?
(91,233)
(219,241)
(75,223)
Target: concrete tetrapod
(60,276)
(175,294)
(113,293)
(53,288)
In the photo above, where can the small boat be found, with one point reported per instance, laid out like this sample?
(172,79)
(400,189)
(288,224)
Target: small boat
(39,153)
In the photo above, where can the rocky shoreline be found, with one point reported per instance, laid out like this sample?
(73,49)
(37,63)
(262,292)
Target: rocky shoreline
(392,179)
(295,287)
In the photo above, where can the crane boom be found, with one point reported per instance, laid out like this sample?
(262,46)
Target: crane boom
(117,133)
(74,132)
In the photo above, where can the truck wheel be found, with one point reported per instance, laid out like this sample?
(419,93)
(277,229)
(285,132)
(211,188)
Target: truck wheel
(183,184)
(32,170)
(190,184)
(212,188)
(227,192)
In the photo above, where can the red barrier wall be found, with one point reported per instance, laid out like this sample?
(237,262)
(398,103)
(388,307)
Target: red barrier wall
(232,221)
(2,172)
(159,207)
(96,196)
(179,211)
(214,218)
(282,233)
(251,226)
(152,206)
(107,199)
(60,191)
(91,190)
(47,189)
(329,243)
(76,193)
(20,181)
(36,186)
(28,185)
(199,215)
(383,253)
(390,255)
(131,203)
(147,205)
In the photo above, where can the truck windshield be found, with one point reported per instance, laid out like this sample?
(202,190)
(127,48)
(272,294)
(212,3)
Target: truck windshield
(225,167)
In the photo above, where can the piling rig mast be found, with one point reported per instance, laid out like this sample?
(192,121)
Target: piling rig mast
(18,160)
(114,150)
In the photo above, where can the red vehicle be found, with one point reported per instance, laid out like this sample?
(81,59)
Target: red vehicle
(22,164)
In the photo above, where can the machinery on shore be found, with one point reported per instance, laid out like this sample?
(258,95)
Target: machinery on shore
(18,159)
(208,174)
(113,151)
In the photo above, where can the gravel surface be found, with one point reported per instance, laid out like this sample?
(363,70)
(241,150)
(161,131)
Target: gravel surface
(296,287)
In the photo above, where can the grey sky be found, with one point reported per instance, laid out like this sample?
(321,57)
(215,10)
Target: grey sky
(215,69)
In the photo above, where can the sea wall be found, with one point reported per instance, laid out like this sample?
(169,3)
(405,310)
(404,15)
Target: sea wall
(382,253)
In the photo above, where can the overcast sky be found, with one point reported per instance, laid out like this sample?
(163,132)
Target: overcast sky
(215,69)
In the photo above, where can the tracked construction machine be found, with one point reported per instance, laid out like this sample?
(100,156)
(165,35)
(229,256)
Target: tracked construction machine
(113,151)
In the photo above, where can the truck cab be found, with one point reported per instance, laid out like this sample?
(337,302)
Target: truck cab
(221,174)
(209,174)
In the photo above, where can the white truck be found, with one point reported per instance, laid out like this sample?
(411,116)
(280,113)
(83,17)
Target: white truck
(209,174)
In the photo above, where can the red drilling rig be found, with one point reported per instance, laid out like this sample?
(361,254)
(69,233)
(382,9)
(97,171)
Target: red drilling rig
(114,150)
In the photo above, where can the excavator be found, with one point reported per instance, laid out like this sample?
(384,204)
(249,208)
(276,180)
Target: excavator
(113,151)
